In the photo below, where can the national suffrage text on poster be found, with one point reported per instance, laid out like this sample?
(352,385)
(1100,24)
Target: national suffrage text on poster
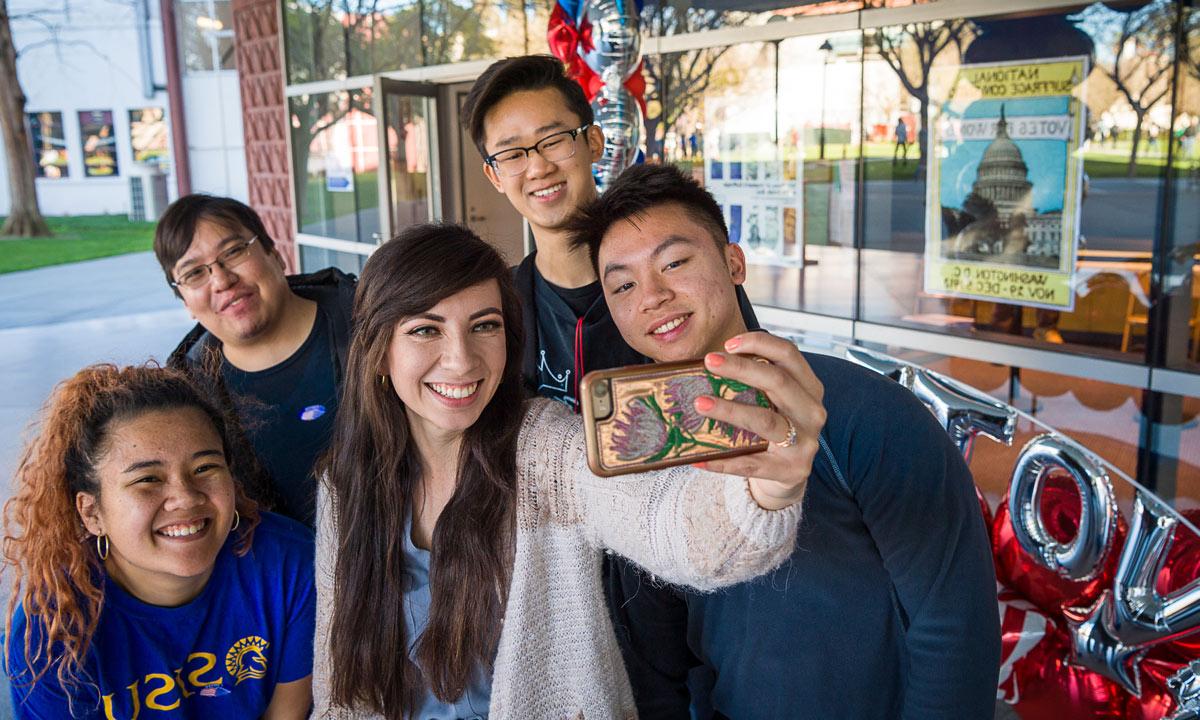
(1003,190)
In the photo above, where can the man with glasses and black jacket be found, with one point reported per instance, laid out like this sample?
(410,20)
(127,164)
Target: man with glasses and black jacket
(273,345)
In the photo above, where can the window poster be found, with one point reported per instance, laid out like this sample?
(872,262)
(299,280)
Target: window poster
(148,135)
(755,180)
(49,144)
(1004,183)
(99,143)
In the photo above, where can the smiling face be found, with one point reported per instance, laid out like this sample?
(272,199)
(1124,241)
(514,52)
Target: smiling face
(670,289)
(446,363)
(239,304)
(166,503)
(546,193)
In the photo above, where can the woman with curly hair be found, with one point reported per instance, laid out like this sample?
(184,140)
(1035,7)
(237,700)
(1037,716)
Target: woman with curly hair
(145,580)
(460,534)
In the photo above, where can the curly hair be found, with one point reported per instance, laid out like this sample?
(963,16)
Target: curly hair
(58,578)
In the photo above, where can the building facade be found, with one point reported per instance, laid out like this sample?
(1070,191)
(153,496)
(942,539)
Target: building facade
(95,75)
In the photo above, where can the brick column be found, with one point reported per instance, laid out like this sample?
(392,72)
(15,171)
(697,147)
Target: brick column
(258,44)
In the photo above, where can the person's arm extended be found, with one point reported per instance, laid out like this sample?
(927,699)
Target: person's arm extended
(290,701)
(918,501)
(683,524)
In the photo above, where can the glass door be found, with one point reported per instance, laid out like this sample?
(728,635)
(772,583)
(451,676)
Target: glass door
(408,178)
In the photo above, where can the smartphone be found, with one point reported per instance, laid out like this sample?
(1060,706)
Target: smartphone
(642,417)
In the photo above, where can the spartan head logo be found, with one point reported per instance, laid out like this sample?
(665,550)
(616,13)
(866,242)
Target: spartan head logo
(247,658)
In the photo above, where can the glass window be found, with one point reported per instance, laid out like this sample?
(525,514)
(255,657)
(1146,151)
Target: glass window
(48,136)
(1026,244)
(1180,284)
(148,135)
(99,143)
(315,258)
(771,129)
(205,31)
(313,33)
(335,145)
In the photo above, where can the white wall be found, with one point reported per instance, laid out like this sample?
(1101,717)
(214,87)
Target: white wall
(95,64)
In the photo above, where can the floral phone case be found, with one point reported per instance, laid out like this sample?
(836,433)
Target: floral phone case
(642,417)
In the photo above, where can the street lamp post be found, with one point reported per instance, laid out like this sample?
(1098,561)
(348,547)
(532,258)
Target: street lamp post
(827,51)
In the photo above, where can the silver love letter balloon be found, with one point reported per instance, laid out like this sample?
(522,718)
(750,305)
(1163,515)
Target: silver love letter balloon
(1185,688)
(901,372)
(964,411)
(1082,557)
(1112,636)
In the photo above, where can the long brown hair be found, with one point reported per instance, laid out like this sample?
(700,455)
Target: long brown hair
(373,470)
(58,578)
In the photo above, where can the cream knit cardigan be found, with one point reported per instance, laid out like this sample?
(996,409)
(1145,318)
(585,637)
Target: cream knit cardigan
(558,657)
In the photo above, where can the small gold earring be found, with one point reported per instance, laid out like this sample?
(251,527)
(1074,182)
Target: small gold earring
(237,520)
(383,381)
(102,547)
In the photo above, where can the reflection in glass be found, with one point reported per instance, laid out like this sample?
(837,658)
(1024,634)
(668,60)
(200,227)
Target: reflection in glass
(1180,284)
(194,24)
(408,140)
(49,142)
(335,157)
(315,258)
(1123,151)
(750,122)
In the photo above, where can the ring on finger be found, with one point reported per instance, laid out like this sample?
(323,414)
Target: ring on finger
(790,440)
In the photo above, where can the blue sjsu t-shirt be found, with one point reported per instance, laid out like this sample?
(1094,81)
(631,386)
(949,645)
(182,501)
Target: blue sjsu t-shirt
(219,656)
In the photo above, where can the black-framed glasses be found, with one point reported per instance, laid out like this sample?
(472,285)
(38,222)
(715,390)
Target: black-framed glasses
(553,148)
(232,256)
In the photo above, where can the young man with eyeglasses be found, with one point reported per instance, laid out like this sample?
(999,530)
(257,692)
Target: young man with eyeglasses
(274,346)
(536,132)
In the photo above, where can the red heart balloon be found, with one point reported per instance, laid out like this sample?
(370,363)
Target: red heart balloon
(1044,588)
(1048,687)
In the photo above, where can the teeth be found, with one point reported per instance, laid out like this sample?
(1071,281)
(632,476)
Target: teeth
(454,392)
(183,530)
(669,326)
(548,191)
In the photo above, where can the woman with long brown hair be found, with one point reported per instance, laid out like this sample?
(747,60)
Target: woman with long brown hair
(460,534)
(143,577)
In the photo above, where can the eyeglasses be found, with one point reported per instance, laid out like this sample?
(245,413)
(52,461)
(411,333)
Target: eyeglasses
(231,256)
(553,148)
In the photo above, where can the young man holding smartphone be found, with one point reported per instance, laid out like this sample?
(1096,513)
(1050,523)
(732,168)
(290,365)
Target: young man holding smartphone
(887,608)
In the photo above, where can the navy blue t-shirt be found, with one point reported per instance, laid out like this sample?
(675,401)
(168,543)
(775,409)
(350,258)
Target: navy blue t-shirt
(288,412)
(559,310)
(219,656)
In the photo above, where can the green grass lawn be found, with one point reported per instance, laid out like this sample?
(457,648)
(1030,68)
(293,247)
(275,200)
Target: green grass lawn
(82,237)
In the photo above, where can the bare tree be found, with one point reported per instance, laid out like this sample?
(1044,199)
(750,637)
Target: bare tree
(680,78)
(1141,43)
(910,51)
(24,217)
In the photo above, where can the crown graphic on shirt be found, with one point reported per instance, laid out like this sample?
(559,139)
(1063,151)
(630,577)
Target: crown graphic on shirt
(562,379)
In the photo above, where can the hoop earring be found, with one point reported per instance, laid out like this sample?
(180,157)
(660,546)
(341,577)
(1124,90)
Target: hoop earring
(102,547)
(383,381)
(237,520)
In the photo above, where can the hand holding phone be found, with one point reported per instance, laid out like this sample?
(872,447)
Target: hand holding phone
(793,425)
(644,417)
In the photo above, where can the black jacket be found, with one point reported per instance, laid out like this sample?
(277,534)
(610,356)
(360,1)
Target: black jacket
(600,340)
(199,354)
